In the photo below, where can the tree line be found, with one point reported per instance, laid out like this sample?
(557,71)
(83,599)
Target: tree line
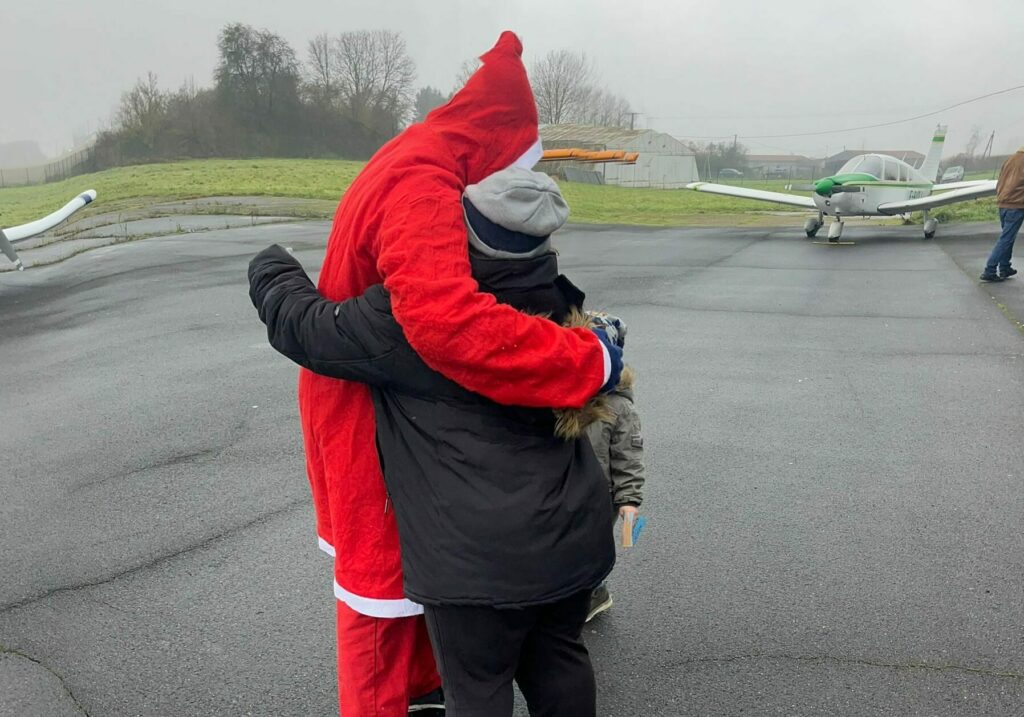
(713,157)
(352,93)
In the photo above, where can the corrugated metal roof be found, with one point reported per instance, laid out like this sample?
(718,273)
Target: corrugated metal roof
(777,158)
(850,153)
(589,134)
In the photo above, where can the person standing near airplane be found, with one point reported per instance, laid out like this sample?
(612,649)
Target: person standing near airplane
(1010,199)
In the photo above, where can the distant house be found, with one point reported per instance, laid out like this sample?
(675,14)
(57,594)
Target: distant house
(664,161)
(788,166)
(836,161)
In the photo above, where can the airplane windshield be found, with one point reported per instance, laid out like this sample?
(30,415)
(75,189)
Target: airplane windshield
(892,170)
(864,164)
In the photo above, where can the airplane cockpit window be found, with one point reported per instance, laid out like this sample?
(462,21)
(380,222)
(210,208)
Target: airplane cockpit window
(851,165)
(891,171)
(870,164)
(864,164)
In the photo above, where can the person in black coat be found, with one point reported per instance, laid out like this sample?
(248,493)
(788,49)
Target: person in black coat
(503,522)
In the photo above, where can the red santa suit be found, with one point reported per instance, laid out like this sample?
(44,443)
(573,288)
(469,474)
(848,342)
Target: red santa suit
(402,223)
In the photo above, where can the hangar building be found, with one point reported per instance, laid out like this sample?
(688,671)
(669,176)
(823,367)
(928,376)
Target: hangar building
(664,161)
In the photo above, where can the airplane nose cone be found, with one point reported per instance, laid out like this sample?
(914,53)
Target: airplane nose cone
(824,187)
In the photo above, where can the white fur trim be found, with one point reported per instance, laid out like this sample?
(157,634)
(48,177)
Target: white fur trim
(327,547)
(375,607)
(530,157)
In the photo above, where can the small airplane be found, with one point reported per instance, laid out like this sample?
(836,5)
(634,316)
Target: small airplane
(871,185)
(13,235)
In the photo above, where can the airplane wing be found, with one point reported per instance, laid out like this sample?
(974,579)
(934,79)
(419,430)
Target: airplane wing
(13,235)
(758,194)
(959,185)
(987,189)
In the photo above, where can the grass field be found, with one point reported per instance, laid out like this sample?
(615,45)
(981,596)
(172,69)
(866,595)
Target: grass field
(125,188)
(129,187)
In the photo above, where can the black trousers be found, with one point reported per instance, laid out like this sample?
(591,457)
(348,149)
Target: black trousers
(481,650)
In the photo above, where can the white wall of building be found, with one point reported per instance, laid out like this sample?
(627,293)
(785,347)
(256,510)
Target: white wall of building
(662,171)
(664,162)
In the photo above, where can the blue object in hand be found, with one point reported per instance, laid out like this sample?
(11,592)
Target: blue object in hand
(638,525)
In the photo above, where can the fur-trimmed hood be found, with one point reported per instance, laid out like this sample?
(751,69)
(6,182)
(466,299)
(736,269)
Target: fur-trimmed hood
(572,423)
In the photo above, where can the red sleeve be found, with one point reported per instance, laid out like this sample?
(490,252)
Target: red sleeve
(483,346)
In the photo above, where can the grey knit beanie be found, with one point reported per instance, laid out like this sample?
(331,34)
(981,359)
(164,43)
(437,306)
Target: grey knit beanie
(525,204)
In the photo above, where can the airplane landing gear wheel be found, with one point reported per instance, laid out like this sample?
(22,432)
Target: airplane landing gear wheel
(930,225)
(811,227)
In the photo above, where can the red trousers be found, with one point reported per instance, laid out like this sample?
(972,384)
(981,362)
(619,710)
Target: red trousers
(382,663)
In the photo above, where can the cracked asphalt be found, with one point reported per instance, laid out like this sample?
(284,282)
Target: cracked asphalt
(834,472)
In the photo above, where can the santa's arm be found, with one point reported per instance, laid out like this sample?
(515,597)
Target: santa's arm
(484,346)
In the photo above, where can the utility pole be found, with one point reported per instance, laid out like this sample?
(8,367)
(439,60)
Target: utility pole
(632,118)
(987,154)
(988,147)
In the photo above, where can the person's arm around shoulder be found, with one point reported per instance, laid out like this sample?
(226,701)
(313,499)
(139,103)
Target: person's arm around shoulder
(626,457)
(351,339)
(488,348)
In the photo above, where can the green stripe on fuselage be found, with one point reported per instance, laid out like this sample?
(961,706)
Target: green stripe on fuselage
(891,183)
(852,178)
(825,187)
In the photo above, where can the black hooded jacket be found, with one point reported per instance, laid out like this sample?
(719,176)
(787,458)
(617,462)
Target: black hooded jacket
(492,508)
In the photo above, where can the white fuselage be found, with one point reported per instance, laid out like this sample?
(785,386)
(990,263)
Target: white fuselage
(865,201)
(867,181)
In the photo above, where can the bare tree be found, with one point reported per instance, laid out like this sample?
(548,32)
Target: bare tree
(141,113)
(398,73)
(562,81)
(466,70)
(141,105)
(321,73)
(375,77)
(600,107)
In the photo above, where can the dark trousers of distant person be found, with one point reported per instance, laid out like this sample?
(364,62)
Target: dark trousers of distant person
(481,650)
(1011,219)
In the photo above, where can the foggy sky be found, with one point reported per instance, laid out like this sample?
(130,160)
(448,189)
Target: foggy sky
(693,69)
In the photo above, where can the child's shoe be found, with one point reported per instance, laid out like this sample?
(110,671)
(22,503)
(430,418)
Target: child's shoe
(600,600)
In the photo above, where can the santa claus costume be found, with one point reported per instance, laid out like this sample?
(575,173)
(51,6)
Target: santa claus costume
(402,223)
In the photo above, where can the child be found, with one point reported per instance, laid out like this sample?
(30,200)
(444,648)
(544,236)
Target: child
(503,525)
(619,446)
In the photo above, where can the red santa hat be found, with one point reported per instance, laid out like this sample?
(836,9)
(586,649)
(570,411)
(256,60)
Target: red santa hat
(491,123)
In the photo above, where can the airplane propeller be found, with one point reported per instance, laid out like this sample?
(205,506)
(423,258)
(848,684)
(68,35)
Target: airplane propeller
(829,185)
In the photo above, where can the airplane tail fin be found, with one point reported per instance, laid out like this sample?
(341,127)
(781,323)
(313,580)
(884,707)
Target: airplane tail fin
(930,168)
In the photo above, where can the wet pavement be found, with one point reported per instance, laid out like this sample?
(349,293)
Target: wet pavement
(834,469)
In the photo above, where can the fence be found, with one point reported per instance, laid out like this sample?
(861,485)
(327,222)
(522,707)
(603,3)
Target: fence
(71,164)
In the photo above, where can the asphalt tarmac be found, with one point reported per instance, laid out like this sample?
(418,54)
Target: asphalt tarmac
(834,496)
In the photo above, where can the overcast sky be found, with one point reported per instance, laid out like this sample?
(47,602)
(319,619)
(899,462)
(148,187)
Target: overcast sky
(693,69)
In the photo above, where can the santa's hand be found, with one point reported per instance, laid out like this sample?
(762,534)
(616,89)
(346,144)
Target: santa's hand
(615,326)
(612,361)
